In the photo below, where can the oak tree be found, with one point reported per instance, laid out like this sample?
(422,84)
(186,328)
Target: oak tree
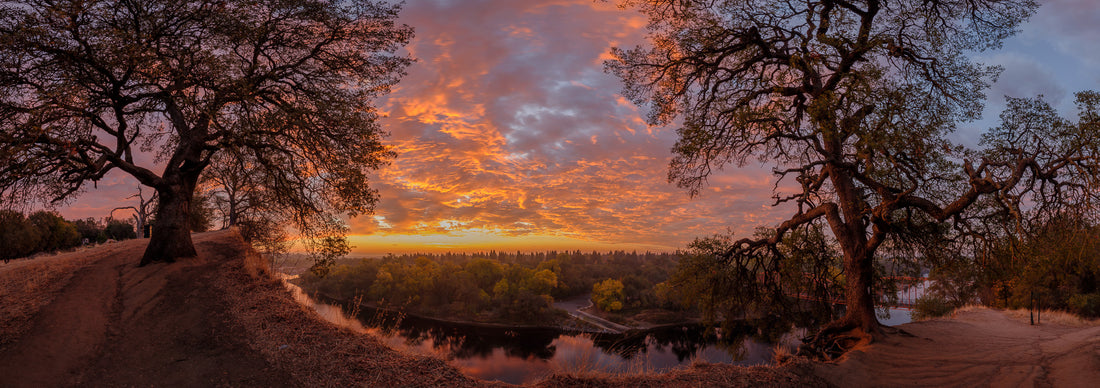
(852,103)
(90,87)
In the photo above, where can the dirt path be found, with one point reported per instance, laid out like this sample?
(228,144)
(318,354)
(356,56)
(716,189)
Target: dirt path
(66,334)
(576,306)
(118,325)
(976,348)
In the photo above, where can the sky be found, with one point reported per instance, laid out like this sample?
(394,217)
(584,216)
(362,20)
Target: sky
(510,136)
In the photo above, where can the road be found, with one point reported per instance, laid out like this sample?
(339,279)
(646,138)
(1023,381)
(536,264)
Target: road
(577,309)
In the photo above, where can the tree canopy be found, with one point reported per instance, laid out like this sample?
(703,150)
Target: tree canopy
(89,87)
(852,102)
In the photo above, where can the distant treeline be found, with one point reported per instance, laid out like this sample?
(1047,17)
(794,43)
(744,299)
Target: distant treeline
(497,286)
(47,231)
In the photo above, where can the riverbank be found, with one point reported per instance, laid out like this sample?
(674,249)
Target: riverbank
(220,320)
(584,319)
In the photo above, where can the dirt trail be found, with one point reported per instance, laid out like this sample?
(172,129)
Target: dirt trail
(118,325)
(976,348)
(56,344)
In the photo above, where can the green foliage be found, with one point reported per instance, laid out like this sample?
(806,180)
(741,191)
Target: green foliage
(931,306)
(608,295)
(18,237)
(90,230)
(1057,262)
(119,230)
(802,273)
(327,249)
(1087,305)
(55,233)
(518,288)
(201,217)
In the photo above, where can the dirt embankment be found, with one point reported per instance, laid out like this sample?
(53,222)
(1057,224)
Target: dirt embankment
(94,318)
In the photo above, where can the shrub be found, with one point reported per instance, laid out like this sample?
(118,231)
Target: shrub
(1086,305)
(931,306)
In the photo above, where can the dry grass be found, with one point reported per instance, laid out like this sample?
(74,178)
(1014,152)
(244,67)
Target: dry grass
(1024,315)
(1052,316)
(295,338)
(26,285)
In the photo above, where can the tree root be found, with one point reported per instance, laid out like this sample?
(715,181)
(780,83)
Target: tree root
(834,341)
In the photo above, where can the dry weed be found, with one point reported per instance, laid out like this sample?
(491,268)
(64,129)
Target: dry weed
(1057,317)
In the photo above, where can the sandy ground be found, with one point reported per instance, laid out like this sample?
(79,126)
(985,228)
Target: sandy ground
(92,318)
(975,348)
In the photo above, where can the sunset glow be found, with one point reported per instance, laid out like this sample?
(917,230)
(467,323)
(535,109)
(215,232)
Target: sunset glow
(510,136)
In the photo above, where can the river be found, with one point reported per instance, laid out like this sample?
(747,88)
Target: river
(522,355)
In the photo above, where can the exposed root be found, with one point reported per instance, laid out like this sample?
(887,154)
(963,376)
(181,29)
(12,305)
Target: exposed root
(835,340)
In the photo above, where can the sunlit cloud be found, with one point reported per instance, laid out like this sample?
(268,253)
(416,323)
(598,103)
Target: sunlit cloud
(509,131)
(511,137)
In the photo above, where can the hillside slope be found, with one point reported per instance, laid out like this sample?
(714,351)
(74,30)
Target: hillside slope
(208,321)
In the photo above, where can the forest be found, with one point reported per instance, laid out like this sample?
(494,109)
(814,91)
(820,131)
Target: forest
(518,288)
(1052,265)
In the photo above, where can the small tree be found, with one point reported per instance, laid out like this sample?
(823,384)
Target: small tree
(18,237)
(608,295)
(90,230)
(86,85)
(119,230)
(54,232)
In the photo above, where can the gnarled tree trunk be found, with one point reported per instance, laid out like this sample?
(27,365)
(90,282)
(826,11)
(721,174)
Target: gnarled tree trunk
(171,237)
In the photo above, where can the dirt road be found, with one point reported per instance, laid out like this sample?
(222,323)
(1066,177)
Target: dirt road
(976,348)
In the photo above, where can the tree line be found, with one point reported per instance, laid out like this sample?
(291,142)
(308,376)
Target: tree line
(47,231)
(500,287)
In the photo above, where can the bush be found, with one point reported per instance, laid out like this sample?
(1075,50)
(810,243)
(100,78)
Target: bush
(931,306)
(18,237)
(55,233)
(1085,305)
(119,230)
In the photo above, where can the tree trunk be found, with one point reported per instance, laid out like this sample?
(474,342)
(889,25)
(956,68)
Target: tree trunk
(171,237)
(859,294)
(232,209)
(859,322)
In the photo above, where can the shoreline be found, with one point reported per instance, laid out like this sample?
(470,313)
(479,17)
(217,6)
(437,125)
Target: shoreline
(325,298)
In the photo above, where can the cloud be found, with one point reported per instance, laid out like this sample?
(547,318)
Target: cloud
(1071,25)
(508,125)
(1024,77)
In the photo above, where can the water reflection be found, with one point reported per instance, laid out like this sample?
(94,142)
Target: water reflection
(526,354)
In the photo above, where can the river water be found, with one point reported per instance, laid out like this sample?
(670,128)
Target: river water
(523,355)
